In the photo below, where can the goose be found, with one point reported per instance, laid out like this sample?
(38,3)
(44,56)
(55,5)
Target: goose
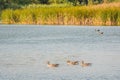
(72,62)
(97,30)
(83,64)
(52,65)
(101,32)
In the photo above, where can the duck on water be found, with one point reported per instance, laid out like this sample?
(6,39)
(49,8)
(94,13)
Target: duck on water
(52,65)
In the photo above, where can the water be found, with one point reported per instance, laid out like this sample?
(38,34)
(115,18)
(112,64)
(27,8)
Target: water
(24,50)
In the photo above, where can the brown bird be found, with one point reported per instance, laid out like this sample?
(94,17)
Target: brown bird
(52,65)
(97,30)
(83,64)
(72,62)
(101,32)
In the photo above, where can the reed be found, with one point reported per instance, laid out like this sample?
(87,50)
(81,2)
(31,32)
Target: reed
(105,14)
(6,16)
(110,16)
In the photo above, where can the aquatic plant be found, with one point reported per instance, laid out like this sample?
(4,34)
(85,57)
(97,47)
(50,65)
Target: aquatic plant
(80,15)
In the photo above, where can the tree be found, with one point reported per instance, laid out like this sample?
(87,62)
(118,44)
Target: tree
(5,4)
(74,2)
(80,1)
(97,1)
(86,2)
(43,1)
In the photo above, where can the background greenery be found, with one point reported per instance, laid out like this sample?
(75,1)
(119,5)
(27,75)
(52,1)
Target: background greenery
(14,4)
(65,12)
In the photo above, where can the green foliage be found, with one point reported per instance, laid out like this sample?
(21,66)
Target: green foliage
(7,16)
(43,1)
(15,4)
(4,4)
(111,14)
(104,16)
(114,16)
(57,1)
(97,1)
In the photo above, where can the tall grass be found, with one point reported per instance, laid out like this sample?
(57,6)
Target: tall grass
(105,14)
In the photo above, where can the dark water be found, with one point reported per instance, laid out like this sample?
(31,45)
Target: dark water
(24,50)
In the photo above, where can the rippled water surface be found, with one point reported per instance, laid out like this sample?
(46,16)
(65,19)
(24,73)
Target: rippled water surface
(25,49)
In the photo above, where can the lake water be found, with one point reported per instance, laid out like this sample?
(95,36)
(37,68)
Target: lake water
(25,49)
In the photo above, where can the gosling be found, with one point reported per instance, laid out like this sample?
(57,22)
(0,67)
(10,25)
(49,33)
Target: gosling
(72,62)
(83,64)
(51,65)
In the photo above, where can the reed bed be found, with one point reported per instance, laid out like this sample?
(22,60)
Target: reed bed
(105,14)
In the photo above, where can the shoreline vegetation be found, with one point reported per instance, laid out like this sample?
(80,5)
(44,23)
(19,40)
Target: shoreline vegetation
(102,14)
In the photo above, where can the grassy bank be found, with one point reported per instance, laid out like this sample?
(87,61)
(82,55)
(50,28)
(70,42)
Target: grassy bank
(104,14)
